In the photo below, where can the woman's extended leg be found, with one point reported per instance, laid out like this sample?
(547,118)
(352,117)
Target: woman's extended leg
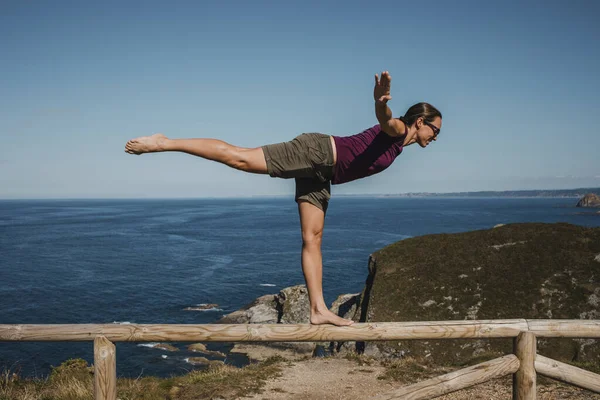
(312,221)
(245,159)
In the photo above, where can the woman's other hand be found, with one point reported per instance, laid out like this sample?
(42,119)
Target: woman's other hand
(381,92)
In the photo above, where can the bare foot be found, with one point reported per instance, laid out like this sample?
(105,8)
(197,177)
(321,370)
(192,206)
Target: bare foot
(145,144)
(327,317)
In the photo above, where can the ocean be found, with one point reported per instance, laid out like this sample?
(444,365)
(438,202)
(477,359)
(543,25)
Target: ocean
(145,261)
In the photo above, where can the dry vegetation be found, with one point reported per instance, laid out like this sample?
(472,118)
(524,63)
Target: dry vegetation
(73,380)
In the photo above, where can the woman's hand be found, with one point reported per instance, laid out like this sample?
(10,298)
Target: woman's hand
(392,127)
(381,93)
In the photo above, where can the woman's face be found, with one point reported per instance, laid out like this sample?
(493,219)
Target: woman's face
(427,132)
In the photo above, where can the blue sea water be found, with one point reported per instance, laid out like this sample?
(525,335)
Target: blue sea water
(145,261)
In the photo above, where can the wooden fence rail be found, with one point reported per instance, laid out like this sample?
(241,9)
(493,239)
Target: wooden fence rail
(524,364)
(372,331)
(456,380)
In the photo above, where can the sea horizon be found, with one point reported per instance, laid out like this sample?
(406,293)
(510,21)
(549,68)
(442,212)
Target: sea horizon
(558,193)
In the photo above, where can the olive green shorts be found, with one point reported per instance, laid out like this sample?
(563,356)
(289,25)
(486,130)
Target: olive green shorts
(308,158)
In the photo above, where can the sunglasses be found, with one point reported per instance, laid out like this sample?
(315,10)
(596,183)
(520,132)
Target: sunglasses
(435,129)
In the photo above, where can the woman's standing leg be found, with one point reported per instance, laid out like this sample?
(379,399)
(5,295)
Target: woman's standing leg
(245,159)
(312,221)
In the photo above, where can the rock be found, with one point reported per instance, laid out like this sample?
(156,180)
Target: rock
(165,346)
(260,352)
(589,200)
(549,271)
(197,347)
(294,305)
(346,305)
(203,361)
(261,311)
(290,306)
(201,348)
(198,360)
(202,307)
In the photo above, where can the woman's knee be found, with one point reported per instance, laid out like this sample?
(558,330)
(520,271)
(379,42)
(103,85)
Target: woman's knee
(312,238)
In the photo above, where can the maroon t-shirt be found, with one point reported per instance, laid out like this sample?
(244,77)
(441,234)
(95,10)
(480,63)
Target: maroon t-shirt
(364,154)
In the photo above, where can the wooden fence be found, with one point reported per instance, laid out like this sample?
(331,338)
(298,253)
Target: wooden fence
(524,363)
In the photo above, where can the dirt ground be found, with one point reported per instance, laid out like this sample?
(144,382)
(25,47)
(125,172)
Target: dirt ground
(337,378)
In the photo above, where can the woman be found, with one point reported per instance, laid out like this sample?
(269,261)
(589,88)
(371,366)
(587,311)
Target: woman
(316,161)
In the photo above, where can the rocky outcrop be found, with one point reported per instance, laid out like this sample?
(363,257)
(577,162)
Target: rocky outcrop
(290,306)
(203,307)
(163,346)
(201,348)
(203,361)
(589,200)
(536,271)
(294,305)
(261,311)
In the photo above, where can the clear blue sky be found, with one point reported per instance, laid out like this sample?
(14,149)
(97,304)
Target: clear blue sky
(517,83)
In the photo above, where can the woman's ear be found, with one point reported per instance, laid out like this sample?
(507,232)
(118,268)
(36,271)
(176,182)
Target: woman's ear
(419,123)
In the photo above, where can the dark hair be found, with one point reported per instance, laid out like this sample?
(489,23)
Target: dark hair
(425,110)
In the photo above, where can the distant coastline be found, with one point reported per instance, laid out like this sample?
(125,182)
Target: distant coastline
(547,193)
(542,193)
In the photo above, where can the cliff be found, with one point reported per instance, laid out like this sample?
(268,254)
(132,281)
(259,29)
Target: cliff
(537,271)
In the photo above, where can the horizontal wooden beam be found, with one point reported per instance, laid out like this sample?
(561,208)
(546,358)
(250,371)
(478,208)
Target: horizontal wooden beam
(575,328)
(567,373)
(456,380)
(373,331)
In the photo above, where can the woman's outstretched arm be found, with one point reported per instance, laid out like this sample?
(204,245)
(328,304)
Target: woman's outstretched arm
(381,93)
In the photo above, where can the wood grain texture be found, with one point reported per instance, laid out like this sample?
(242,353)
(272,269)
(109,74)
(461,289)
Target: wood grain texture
(525,379)
(567,373)
(105,369)
(456,380)
(575,328)
(372,331)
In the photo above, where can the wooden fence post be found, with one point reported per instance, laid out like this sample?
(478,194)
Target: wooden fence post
(105,369)
(524,380)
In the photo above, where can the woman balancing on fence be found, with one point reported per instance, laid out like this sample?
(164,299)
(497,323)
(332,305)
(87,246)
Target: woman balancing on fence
(316,161)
